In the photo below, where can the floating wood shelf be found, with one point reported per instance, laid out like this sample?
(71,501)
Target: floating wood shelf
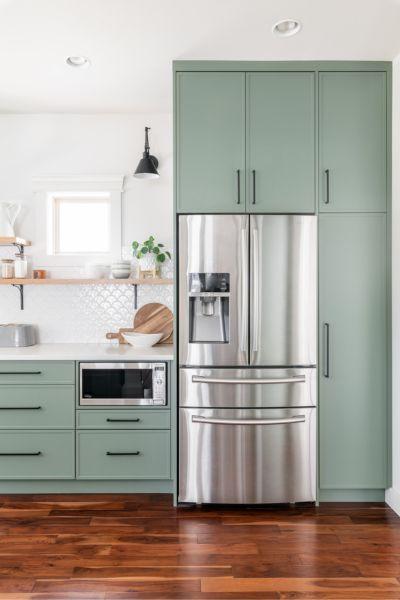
(13,241)
(77,281)
(19,284)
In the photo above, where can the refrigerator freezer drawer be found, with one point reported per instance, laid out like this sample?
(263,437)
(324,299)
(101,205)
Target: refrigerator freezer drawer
(247,456)
(248,388)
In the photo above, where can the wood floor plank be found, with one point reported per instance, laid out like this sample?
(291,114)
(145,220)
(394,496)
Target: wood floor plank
(107,546)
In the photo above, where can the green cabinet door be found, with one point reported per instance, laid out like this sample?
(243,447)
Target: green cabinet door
(352,142)
(281,142)
(210,140)
(353,351)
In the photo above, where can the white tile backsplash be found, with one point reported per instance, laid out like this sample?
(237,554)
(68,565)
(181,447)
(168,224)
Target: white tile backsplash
(79,313)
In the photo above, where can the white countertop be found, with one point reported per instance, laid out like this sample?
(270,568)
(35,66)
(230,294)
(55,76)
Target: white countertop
(89,352)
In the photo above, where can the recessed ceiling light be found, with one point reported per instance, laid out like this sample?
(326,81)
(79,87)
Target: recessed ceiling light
(78,61)
(286,27)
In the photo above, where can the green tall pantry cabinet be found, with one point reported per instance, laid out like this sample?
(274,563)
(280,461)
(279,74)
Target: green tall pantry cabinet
(310,137)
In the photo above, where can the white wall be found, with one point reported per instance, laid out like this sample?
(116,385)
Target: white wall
(66,144)
(393,494)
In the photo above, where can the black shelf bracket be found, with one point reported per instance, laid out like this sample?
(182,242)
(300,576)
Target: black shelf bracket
(20,288)
(135,295)
(21,248)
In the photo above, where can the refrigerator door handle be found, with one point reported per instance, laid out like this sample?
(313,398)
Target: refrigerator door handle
(254,381)
(256,293)
(280,421)
(244,292)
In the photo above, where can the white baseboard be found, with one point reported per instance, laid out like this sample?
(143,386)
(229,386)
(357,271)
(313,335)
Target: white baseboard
(392,497)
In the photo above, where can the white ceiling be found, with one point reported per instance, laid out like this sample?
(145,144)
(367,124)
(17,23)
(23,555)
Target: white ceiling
(132,44)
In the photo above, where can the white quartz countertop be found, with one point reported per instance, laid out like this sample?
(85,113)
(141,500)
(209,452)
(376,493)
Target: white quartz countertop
(89,352)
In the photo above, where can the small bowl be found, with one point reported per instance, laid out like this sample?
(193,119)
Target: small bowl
(142,340)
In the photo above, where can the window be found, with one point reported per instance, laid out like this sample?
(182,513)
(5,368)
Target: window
(80,223)
(78,219)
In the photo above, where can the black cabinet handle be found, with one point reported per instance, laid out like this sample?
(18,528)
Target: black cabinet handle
(20,372)
(20,407)
(122,420)
(238,186)
(21,453)
(254,186)
(326,369)
(327,193)
(123,453)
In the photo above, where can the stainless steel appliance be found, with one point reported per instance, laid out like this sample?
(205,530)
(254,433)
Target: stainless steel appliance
(131,383)
(17,335)
(247,352)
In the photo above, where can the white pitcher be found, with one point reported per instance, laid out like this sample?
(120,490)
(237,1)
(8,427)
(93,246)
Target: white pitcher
(8,214)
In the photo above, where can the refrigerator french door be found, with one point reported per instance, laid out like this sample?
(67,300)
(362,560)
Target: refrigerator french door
(247,353)
(247,290)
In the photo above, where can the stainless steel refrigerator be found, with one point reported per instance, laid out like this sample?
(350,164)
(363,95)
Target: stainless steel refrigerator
(247,358)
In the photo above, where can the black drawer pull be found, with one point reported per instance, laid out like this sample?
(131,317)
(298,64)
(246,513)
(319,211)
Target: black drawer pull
(20,453)
(20,372)
(123,453)
(123,420)
(20,407)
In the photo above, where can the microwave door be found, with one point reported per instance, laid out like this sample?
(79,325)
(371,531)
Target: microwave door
(283,290)
(213,290)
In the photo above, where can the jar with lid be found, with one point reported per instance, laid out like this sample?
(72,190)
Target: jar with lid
(20,266)
(7,268)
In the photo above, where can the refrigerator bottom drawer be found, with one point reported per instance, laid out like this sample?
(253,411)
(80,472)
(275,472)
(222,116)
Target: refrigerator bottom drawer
(247,456)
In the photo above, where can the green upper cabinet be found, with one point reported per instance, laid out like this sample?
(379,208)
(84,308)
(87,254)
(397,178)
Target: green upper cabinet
(210,139)
(281,142)
(353,351)
(352,141)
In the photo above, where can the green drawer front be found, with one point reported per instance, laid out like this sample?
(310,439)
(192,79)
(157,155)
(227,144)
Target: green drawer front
(34,371)
(151,462)
(37,455)
(37,407)
(123,419)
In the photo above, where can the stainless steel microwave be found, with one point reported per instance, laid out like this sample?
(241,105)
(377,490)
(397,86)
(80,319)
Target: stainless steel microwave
(127,384)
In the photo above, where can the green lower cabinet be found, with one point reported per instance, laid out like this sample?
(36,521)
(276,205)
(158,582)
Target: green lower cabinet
(37,454)
(37,407)
(123,419)
(353,352)
(123,454)
(37,372)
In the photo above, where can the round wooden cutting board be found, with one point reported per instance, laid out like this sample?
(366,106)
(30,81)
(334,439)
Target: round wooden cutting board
(155,318)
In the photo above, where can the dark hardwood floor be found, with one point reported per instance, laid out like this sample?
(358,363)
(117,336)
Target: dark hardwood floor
(139,546)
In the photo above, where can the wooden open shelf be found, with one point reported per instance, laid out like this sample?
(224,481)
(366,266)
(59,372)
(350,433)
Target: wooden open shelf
(13,241)
(76,281)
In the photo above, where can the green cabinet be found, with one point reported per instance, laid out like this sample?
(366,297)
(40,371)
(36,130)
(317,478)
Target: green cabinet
(37,454)
(123,419)
(37,407)
(123,454)
(281,142)
(353,351)
(210,137)
(352,141)
(37,372)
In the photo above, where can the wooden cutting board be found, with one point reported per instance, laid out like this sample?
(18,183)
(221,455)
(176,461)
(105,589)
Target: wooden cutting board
(155,318)
(150,318)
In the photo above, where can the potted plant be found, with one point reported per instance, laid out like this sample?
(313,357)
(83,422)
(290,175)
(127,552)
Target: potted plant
(151,255)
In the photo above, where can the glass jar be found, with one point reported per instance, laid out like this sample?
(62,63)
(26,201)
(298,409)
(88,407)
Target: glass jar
(7,268)
(20,266)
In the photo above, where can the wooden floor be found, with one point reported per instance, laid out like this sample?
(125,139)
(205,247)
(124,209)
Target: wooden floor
(132,546)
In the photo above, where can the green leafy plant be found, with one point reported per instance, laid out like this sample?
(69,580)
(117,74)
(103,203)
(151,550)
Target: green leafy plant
(150,246)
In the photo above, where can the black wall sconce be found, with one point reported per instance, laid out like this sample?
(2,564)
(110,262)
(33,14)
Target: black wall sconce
(147,167)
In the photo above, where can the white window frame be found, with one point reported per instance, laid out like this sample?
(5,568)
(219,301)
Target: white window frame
(47,189)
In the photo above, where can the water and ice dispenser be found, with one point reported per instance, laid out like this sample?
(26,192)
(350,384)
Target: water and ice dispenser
(209,307)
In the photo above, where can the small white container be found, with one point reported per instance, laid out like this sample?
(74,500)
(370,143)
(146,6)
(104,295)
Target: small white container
(142,340)
(20,266)
(121,270)
(95,271)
